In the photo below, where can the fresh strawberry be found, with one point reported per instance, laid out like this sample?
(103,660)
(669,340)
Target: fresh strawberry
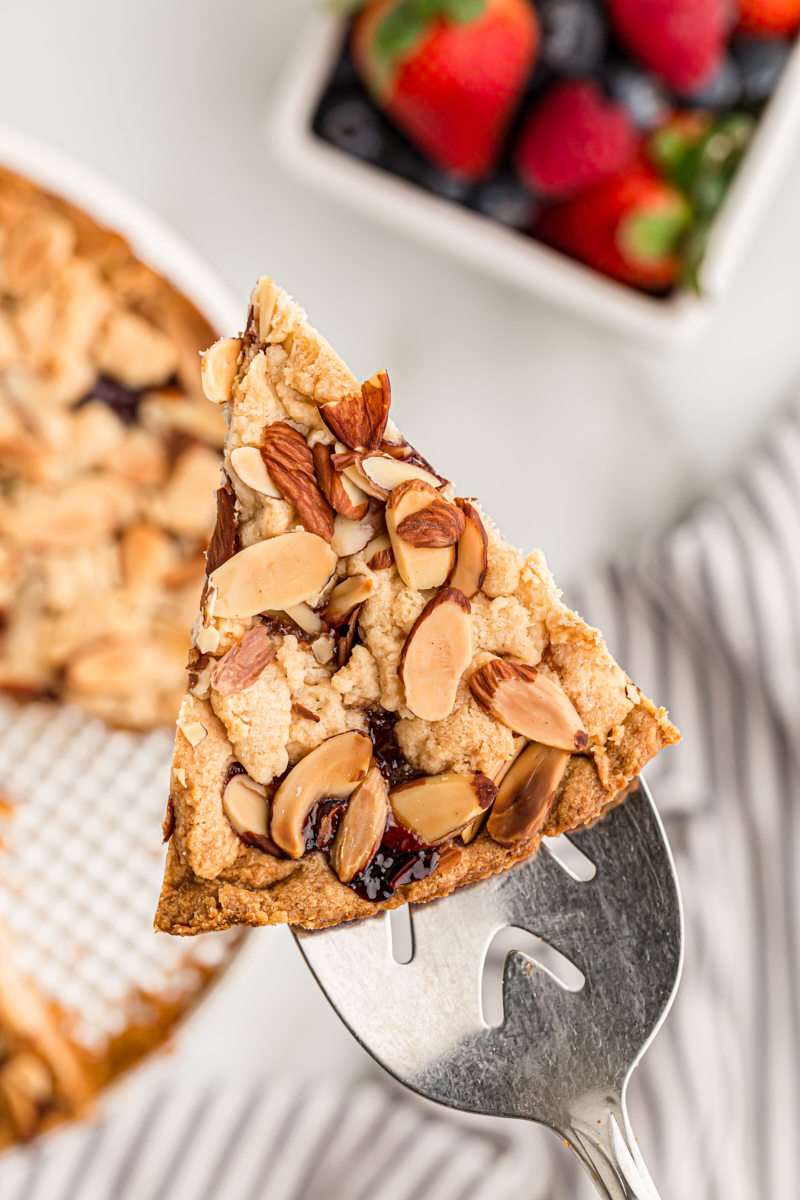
(628,227)
(780,18)
(573,138)
(449,73)
(683,41)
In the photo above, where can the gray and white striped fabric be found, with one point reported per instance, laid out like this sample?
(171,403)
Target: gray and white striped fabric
(708,621)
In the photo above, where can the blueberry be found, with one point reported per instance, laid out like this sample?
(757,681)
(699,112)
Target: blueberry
(573,36)
(723,91)
(507,201)
(645,100)
(354,126)
(760,61)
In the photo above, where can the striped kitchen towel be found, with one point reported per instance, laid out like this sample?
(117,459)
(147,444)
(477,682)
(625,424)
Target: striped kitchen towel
(282,1140)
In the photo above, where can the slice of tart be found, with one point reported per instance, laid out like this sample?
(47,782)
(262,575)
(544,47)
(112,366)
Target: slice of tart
(385,699)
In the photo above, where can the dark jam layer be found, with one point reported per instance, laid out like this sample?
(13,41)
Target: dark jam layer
(391,761)
(390,870)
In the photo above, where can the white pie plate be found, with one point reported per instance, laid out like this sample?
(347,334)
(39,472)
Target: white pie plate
(514,257)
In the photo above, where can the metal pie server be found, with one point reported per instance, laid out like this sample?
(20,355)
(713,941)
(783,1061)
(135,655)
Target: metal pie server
(560,1057)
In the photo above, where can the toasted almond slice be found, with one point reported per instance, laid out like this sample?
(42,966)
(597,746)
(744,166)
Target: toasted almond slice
(263,298)
(333,770)
(346,596)
(323,649)
(382,560)
(207,639)
(291,464)
(497,774)
(442,524)
(388,473)
(193,731)
(240,667)
(304,616)
(529,703)
(436,654)
(340,492)
(245,804)
(526,794)
(376,546)
(439,806)
(419,567)
(359,421)
(349,537)
(471,553)
(277,573)
(218,369)
(362,827)
(248,464)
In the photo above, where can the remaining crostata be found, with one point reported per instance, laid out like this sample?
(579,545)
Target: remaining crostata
(385,699)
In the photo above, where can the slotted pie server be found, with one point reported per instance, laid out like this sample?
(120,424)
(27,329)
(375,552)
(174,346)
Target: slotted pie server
(560,1057)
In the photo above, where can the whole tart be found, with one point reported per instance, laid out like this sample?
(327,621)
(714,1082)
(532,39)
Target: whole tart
(386,700)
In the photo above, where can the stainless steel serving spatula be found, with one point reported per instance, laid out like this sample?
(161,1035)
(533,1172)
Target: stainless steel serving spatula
(561,1057)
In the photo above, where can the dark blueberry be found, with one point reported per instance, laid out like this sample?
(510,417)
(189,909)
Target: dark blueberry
(573,36)
(723,91)
(355,127)
(644,98)
(443,183)
(507,201)
(121,400)
(760,61)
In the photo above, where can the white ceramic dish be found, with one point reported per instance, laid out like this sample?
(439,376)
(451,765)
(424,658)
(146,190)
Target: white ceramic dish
(520,260)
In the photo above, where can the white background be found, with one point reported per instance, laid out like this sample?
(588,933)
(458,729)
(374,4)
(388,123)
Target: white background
(574,441)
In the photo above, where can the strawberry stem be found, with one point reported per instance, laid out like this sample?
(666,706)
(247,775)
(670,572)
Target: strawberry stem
(407,22)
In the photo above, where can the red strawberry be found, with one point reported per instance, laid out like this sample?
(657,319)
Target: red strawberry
(449,73)
(683,41)
(627,227)
(573,138)
(770,17)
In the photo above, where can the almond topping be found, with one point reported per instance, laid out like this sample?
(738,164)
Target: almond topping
(218,369)
(529,703)
(471,553)
(379,543)
(323,649)
(346,596)
(496,773)
(263,298)
(439,806)
(388,473)
(419,567)
(362,827)
(223,540)
(351,536)
(340,492)
(193,731)
(277,573)
(526,794)
(248,464)
(291,465)
(440,525)
(207,639)
(245,804)
(300,710)
(436,654)
(304,616)
(359,421)
(381,560)
(240,667)
(333,770)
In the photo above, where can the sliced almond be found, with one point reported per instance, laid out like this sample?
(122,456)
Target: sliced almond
(346,596)
(496,773)
(381,561)
(263,298)
(439,806)
(291,465)
(218,369)
(419,567)
(207,639)
(323,649)
(359,421)
(304,616)
(388,473)
(436,654)
(529,703)
(526,794)
(361,828)
(432,528)
(245,804)
(351,536)
(277,573)
(340,492)
(193,731)
(331,771)
(240,667)
(376,546)
(300,710)
(471,553)
(248,464)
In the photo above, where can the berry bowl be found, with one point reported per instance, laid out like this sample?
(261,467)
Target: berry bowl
(330,133)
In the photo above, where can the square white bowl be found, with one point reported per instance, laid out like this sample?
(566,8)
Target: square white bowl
(513,256)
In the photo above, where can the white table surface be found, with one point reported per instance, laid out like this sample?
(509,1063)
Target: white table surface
(574,441)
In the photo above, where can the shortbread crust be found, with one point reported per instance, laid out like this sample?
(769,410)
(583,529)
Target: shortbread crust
(274,382)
